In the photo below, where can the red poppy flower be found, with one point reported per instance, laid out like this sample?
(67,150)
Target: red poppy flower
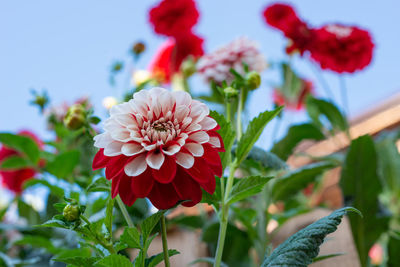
(342,48)
(161,145)
(14,179)
(174,17)
(296,102)
(172,53)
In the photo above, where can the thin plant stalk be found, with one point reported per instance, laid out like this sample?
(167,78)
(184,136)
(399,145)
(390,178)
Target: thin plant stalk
(322,81)
(163,231)
(343,92)
(124,212)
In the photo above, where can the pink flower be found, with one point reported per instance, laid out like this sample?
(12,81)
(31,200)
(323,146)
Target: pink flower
(376,254)
(161,145)
(215,66)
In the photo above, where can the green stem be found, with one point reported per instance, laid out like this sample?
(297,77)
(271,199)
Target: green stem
(228,110)
(239,115)
(108,246)
(343,92)
(163,231)
(124,212)
(322,81)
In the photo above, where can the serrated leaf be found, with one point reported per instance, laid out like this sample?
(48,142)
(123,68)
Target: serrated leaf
(149,223)
(253,132)
(99,185)
(131,237)
(294,181)
(78,260)
(301,248)
(319,107)
(227,135)
(296,133)
(22,144)
(114,260)
(267,159)
(247,187)
(64,164)
(361,187)
(109,214)
(14,163)
(156,259)
(54,223)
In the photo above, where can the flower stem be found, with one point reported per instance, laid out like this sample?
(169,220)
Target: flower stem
(163,231)
(124,212)
(322,81)
(228,110)
(239,115)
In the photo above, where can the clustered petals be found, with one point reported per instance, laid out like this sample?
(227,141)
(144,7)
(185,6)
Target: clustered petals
(216,65)
(161,145)
(15,178)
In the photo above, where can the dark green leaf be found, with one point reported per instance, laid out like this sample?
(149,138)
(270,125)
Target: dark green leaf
(99,185)
(76,260)
(361,187)
(114,260)
(59,206)
(14,162)
(301,248)
(253,132)
(297,133)
(324,257)
(28,212)
(64,164)
(267,159)
(247,187)
(193,222)
(54,223)
(156,259)
(23,144)
(294,181)
(149,223)
(37,242)
(131,237)
(208,260)
(389,164)
(94,120)
(393,248)
(319,107)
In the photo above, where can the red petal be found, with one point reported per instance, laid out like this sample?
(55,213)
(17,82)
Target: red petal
(215,134)
(125,185)
(100,160)
(115,185)
(213,159)
(115,165)
(209,186)
(187,188)
(167,171)
(142,184)
(200,171)
(163,196)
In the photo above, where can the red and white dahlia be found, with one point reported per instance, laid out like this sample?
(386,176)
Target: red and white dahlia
(161,145)
(216,66)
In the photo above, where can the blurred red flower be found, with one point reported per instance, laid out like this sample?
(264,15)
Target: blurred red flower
(174,17)
(280,16)
(342,48)
(172,53)
(14,179)
(161,145)
(296,102)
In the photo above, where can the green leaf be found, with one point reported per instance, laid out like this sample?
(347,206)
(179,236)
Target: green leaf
(324,257)
(319,107)
(54,223)
(14,163)
(361,187)
(156,259)
(23,144)
(389,164)
(28,212)
(131,237)
(114,260)
(247,187)
(227,135)
(55,190)
(37,242)
(59,206)
(253,132)
(64,164)
(297,133)
(94,120)
(78,260)
(291,183)
(267,159)
(192,222)
(109,214)
(99,185)
(149,223)
(301,248)
(393,248)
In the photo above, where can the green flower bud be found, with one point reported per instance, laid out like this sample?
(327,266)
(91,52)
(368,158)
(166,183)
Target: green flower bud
(75,117)
(253,80)
(71,213)
(230,92)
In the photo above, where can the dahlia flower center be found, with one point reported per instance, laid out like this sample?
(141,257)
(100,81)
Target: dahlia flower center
(160,130)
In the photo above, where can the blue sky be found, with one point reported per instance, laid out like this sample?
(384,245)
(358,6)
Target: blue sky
(67,47)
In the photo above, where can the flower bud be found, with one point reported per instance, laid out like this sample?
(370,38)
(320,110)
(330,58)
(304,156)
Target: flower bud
(188,67)
(71,213)
(138,48)
(75,117)
(230,92)
(253,80)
